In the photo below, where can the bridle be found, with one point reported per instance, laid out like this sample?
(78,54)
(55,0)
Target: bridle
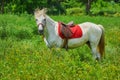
(41,24)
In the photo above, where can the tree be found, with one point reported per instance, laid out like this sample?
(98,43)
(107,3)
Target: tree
(55,7)
(2,7)
(117,1)
(88,6)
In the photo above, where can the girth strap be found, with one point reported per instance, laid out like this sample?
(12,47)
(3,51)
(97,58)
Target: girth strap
(65,44)
(66,32)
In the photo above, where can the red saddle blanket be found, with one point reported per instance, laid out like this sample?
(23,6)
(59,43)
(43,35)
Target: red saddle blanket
(76,31)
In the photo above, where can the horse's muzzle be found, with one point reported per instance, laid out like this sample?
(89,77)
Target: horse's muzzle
(41,32)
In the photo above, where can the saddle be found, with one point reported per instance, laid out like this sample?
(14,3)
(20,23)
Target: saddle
(65,29)
(67,33)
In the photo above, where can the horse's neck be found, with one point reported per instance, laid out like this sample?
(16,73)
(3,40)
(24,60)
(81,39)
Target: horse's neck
(50,21)
(50,27)
(51,38)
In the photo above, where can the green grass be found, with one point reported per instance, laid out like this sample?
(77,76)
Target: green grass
(24,55)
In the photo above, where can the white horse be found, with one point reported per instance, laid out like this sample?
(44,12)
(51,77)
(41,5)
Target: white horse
(93,34)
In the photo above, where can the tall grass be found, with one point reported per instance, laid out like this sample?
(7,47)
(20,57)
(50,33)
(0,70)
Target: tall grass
(23,54)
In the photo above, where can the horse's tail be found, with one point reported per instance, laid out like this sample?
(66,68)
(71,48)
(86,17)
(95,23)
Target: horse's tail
(101,45)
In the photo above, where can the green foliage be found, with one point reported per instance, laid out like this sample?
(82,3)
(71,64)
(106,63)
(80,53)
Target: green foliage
(21,31)
(3,31)
(101,7)
(71,7)
(75,11)
(30,59)
(70,4)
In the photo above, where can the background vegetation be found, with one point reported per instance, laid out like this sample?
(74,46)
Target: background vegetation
(69,7)
(24,55)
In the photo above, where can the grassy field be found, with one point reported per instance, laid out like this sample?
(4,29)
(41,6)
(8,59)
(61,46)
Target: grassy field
(24,56)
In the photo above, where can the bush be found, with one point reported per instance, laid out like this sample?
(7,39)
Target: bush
(18,27)
(104,8)
(75,11)
(3,29)
(23,34)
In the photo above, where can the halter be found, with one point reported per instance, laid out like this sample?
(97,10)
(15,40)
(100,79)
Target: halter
(43,36)
(41,24)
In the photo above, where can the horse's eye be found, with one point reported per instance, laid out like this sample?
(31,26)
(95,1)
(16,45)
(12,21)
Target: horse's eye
(44,19)
(36,19)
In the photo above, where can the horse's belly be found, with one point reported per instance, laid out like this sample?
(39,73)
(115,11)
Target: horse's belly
(73,43)
(76,42)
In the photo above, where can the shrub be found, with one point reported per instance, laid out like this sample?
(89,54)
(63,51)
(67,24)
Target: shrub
(75,11)
(104,8)
(3,29)
(23,34)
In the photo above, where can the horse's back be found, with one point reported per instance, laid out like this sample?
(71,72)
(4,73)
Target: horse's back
(92,30)
(91,27)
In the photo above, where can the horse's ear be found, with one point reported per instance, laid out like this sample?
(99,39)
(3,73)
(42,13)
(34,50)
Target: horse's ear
(37,10)
(44,10)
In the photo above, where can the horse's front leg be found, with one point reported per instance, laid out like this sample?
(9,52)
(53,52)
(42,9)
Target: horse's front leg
(47,43)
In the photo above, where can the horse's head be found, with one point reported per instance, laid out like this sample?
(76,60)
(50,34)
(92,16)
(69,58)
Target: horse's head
(40,19)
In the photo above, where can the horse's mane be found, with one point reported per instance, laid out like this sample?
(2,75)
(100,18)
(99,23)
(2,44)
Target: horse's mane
(39,12)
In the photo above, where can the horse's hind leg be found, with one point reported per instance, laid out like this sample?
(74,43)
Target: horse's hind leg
(95,51)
